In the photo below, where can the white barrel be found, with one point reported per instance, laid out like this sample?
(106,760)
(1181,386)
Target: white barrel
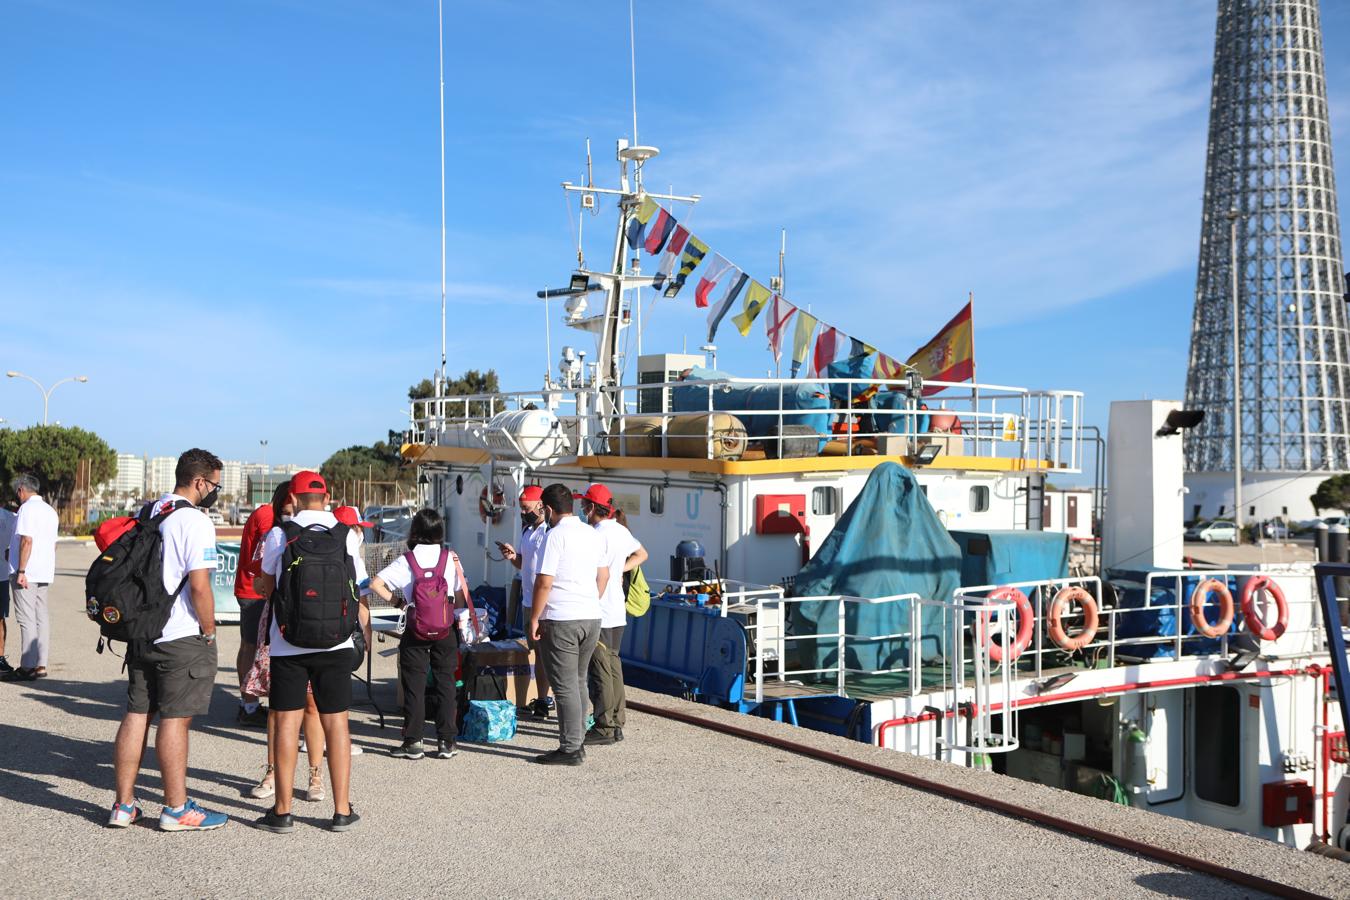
(533,434)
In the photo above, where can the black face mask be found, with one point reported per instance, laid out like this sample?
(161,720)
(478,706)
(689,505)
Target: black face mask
(210,499)
(529,519)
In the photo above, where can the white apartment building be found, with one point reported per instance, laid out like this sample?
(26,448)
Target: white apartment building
(231,477)
(159,475)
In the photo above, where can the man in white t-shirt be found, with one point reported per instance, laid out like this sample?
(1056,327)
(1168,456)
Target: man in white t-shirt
(565,616)
(622,554)
(534,531)
(32,563)
(328,670)
(7,522)
(174,676)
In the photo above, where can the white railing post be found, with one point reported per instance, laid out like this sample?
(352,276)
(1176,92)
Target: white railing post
(841,648)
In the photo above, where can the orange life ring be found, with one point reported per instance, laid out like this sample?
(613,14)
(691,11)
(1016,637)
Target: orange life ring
(1253,619)
(498,500)
(1062,599)
(1024,622)
(1198,598)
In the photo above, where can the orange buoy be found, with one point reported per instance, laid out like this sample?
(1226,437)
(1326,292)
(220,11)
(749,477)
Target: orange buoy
(1198,598)
(1062,599)
(1253,619)
(1022,639)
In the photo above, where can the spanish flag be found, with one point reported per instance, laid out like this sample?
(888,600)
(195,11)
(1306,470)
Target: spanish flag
(950,356)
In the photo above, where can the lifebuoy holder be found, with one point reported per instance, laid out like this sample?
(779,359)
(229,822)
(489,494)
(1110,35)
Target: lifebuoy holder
(496,510)
(1058,605)
(1252,618)
(1025,616)
(1198,598)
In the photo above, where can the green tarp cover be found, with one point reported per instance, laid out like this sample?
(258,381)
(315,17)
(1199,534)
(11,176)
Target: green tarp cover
(889,541)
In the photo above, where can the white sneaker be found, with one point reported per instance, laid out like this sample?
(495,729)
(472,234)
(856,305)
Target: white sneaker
(356,749)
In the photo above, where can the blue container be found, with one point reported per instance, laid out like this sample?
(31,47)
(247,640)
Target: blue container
(679,643)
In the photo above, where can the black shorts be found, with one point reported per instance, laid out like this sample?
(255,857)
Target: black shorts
(329,671)
(174,678)
(250,614)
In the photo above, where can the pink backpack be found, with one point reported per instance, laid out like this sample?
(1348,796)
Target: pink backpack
(430,606)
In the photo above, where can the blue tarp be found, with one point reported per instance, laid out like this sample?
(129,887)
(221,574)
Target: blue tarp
(806,395)
(1004,557)
(889,541)
(1156,615)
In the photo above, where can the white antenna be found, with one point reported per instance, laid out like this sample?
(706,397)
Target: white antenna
(440,56)
(632,68)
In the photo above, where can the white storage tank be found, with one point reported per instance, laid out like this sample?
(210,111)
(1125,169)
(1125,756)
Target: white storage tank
(533,434)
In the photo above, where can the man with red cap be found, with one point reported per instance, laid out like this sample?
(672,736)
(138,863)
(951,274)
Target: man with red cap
(622,553)
(296,668)
(533,531)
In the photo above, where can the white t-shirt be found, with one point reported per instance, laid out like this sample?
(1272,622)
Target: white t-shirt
(531,549)
(7,522)
(573,553)
(619,545)
(38,521)
(398,574)
(189,546)
(274,547)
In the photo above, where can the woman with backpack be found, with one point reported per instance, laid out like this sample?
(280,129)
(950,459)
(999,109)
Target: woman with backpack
(431,581)
(258,681)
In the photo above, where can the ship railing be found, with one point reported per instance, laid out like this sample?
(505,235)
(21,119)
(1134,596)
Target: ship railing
(959,418)
(1148,631)
(763,611)
(981,420)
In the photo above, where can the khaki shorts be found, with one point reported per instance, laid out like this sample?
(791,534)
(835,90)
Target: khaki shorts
(174,678)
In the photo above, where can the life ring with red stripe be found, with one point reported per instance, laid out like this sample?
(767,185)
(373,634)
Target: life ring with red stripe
(1025,617)
(1200,596)
(1255,624)
(496,510)
(1063,598)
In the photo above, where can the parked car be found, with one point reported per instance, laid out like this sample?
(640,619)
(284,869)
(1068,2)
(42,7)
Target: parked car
(1210,532)
(1275,529)
(215,517)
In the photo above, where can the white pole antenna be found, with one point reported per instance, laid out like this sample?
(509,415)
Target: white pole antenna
(632,68)
(440,43)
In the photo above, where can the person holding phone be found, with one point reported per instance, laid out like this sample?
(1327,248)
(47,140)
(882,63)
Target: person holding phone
(533,532)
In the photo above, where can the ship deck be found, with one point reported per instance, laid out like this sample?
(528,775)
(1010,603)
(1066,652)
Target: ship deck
(675,810)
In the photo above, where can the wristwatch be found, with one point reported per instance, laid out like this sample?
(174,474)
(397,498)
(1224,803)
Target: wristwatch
(210,638)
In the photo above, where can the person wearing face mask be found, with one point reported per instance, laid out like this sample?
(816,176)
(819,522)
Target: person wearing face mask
(533,532)
(173,675)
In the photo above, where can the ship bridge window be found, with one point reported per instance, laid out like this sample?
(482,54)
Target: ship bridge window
(979,498)
(824,501)
(656,500)
(1218,753)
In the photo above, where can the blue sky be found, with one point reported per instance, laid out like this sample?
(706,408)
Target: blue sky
(227,215)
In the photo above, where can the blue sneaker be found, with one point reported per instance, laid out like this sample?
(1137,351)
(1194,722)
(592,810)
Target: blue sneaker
(191,818)
(124,814)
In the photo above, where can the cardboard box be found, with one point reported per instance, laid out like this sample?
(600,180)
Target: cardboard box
(511,659)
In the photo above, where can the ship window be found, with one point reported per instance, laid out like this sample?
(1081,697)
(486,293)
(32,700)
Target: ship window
(824,501)
(979,498)
(656,500)
(1218,754)
(459,484)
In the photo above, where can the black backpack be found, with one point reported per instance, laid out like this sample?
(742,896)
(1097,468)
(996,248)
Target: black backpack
(124,589)
(315,604)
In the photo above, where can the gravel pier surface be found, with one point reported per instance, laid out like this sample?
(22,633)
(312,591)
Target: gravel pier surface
(673,811)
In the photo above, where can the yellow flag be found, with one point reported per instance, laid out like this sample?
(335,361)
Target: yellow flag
(801,339)
(756,298)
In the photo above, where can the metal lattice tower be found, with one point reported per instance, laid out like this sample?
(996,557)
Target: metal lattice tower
(1269,160)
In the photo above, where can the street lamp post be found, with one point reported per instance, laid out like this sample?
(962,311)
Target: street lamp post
(266,471)
(46,391)
(1237,374)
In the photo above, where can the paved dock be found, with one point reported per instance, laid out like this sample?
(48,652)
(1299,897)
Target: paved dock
(673,811)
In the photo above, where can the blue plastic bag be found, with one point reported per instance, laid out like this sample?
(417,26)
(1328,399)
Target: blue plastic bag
(489,721)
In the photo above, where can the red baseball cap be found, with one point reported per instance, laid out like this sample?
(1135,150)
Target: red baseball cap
(348,515)
(532,492)
(308,483)
(597,494)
